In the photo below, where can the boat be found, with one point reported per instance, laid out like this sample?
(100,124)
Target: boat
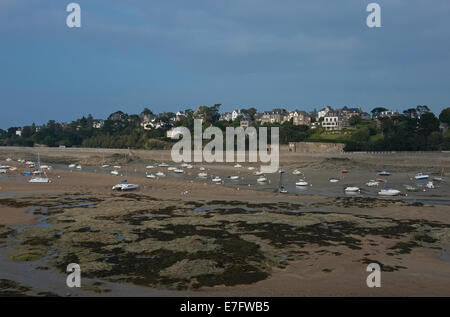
(334,180)
(151,176)
(125,187)
(251,168)
(12,169)
(384,173)
(202,168)
(160,174)
(117,167)
(39,180)
(178,170)
(301,182)
(217,179)
(420,176)
(8,159)
(105,165)
(296,172)
(234,177)
(372,183)
(2,171)
(163,165)
(149,167)
(389,192)
(238,165)
(345,171)
(430,185)
(262,179)
(202,175)
(352,189)
(438,179)
(283,190)
(258,173)
(411,189)
(189,166)
(115,173)
(382,180)
(171,168)
(4,167)
(78,167)
(72,165)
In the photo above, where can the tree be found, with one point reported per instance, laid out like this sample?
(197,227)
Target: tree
(377,111)
(445,116)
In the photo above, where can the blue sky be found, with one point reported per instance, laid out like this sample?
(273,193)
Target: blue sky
(175,54)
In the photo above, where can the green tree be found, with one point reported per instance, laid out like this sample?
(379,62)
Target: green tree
(445,116)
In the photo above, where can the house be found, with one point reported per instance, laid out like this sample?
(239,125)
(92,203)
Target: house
(387,113)
(244,123)
(180,115)
(19,132)
(236,113)
(322,113)
(98,124)
(226,116)
(350,112)
(170,133)
(299,117)
(274,116)
(334,120)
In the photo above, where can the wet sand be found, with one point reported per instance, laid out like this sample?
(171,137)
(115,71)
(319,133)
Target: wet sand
(303,261)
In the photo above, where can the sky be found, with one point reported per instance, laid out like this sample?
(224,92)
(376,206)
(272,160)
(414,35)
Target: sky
(171,55)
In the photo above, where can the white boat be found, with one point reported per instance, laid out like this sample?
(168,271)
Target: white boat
(36,172)
(430,185)
(30,163)
(115,173)
(384,173)
(420,176)
(283,190)
(217,179)
(151,176)
(39,180)
(125,187)
(163,165)
(105,165)
(171,168)
(160,174)
(234,177)
(12,169)
(72,165)
(202,168)
(4,167)
(8,159)
(262,179)
(202,175)
(372,183)
(178,170)
(251,168)
(334,180)
(296,172)
(389,192)
(301,182)
(149,167)
(258,173)
(2,171)
(438,179)
(352,189)
(117,166)
(189,166)
(78,167)
(238,165)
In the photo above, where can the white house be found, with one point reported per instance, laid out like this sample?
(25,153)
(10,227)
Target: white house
(322,113)
(235,114)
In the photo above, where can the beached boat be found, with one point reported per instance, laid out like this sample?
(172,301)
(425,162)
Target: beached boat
(160,174)
(352,189)
(125,187)
(345,171)
(438,179)
(202,175)
(163,165)
(251,168)
(261,179)
(105,165)
(258,173)
(178,170)
(149,167)
(420,176)
(301,182)
(372,183)
(283,190)
(389,192)
(39,180)
(12,169)
(238,165)
(151,176)
(171,168)
(115,173)
(78,167)
(384,173)
(296,172)
(234,177)
(430,185)
(202,168)
(72,165)
(334,180)
(3,171)
(411,189)
(4,167)
(217,179)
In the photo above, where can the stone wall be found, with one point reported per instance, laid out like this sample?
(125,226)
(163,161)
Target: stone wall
(316,147)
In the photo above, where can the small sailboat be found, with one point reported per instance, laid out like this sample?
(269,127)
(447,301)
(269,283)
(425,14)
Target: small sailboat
(258,173)
(234,177)
(217,179)
(160,174)
(334,180)
(296,172)
(384,173)
(78,167)
(301,182)
(163,165)
(39,179)
(282,190)
(238,165)
(202,175)
(149,167)
(421,176)
(178,170)
(352,189)
(115,173)
(125,187)
(251,168)
(72,165)
(151,176)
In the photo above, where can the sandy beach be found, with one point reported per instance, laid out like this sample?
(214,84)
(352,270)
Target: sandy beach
(181,235)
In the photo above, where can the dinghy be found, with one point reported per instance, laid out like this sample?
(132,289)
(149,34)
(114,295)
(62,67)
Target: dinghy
(389,192)
(234,177)
(384,173)
(217,179)
(301,182)
(262,179)
(115,173)
(125,187)
(420,176)
(352,189)
(334,180)
(160,174)
(151,176)
(178,170)
(372,183)
(296,172)
(202,175)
